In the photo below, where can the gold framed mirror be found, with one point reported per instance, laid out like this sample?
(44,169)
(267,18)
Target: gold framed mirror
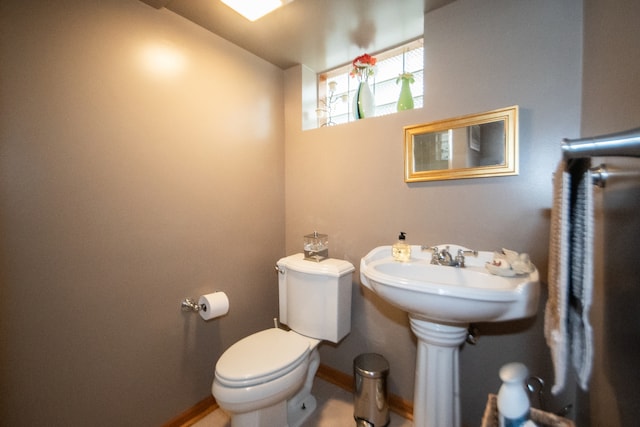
(471,146)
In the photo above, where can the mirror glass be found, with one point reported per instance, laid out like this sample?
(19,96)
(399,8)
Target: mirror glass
(473,146)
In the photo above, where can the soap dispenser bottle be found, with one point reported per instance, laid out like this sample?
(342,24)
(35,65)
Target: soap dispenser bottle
(513,400)
(401,251)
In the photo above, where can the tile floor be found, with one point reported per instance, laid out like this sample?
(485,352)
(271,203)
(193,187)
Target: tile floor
(335,409)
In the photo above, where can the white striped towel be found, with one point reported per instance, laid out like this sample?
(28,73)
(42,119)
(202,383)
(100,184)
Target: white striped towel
(567,329)
(582,278)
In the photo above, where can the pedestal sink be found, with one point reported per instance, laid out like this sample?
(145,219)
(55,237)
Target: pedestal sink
(441,302)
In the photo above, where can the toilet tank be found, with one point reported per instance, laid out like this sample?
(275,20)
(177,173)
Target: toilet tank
(315,297)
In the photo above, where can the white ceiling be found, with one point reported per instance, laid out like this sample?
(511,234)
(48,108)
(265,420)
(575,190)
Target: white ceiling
(320,34)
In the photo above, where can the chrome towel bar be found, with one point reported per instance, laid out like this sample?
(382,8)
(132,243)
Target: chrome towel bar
(625,143)
(601,173)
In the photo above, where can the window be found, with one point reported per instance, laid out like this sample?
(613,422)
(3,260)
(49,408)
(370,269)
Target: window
(336,88)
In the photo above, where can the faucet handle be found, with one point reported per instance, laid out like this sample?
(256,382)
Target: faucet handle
(467,252)
(461,254)
(434,253)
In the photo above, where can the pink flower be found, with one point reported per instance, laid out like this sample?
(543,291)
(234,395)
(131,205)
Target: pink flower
(364,60)
(363,66)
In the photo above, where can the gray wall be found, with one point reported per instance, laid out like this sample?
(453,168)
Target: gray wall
(611,103)
(479,56)
(125,186)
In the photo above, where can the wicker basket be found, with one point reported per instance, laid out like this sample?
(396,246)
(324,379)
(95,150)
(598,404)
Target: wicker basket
(541,418)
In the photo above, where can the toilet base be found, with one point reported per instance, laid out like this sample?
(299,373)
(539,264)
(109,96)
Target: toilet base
(280,414)
(303,404)
(297,415)
(275,415)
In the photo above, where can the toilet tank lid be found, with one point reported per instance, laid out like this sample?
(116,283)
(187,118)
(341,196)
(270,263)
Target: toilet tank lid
(326,267)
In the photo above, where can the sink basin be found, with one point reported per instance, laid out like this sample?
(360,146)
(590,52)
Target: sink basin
(441,302)
(449,294)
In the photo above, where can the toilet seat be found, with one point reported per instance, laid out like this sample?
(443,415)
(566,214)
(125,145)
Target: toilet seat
(261,357)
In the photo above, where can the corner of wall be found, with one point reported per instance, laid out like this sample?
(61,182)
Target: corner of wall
(300,97)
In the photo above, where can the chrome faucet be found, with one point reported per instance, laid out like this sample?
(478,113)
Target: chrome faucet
(444,257)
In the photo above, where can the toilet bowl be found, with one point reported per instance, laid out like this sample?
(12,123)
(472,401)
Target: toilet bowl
(265,379)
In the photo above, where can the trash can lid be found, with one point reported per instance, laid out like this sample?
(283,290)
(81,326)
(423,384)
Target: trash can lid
(371,365)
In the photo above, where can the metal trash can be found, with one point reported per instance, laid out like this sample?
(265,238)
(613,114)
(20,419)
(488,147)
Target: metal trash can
(370,406)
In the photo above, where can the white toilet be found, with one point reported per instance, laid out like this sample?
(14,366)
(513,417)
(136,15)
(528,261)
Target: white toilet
(265,379)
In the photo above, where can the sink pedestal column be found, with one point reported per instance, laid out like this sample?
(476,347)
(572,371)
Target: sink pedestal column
(436,401)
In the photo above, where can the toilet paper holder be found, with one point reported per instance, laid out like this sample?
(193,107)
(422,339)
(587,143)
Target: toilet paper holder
(208,306)
(189,304)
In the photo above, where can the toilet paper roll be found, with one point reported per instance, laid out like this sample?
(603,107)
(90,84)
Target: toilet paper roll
(213,305)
